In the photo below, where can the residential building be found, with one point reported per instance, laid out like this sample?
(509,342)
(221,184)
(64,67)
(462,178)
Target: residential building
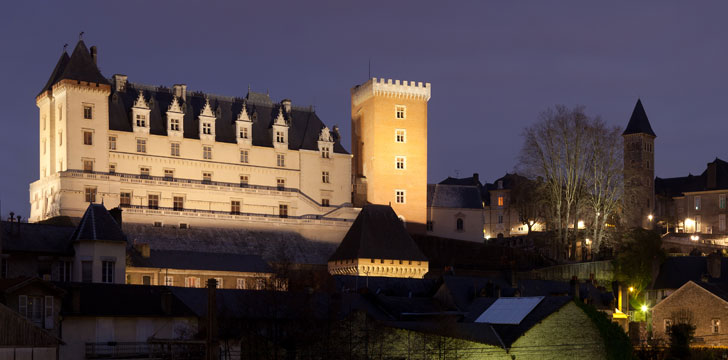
(676,271)
(35,300)
(378,245)
(455,209)
(501,216)
(186,158)
(389,143)
(639,170)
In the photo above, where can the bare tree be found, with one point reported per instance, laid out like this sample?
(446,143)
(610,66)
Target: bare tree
(527,197)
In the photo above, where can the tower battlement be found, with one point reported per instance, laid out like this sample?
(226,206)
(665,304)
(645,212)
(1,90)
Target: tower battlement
(391,88)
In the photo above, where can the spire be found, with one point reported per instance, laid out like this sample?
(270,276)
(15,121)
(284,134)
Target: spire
(57,71)
(174,106)
(207,110)
(140,102)
(81,66)
(638,123)
(243,116)
(280,120)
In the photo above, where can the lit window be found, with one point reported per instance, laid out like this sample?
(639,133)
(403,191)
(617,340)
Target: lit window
(235,207)
(112,142)
(281,160)
(325,177)
(400,111)
(697,203)
(107,271)
(178,203)
(141,145)
(244,156)
(125,199)
(698,223)
(153,201)
(283,211)
(206,177)
(400,135)
(169,280)
(88,138)
(174,124)
(243,133)
(192,282)
(400,196)
(88,166)
(240,284)
(218,282)
(168,174)
(90,194)
(325,202)
(715,325)
(500,201)
(400,162)
(280,137)
(207,128)
(141,120)
(112,168)
(88,112)
(144,172)
(174,149)
(281,183)
(207,152)
(243,180)
(325,152)
(668,323)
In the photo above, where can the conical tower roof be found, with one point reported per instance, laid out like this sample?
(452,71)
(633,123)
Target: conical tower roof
(98,224)
(79,66)
(638,123)
(57,72)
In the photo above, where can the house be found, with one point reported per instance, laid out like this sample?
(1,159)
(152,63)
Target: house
(502,218)
(702,304)
(36,300)
(455,209)
(678,270)
(21,339)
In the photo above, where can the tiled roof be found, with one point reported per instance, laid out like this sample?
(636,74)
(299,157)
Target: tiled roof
(454,196)
(638,122)
(377,233)
(98,224)
(192,260)
(36,238)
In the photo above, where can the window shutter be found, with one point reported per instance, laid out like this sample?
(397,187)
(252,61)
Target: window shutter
(23,305)
(48,312)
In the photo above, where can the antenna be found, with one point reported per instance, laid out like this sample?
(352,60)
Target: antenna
(80,36)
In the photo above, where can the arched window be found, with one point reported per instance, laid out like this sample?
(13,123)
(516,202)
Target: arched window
(459,224)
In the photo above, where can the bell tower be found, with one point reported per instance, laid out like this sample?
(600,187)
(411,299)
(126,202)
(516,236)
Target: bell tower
(639,170)
(389,143)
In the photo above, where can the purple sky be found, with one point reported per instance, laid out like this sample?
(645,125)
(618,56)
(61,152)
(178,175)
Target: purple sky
(493,67)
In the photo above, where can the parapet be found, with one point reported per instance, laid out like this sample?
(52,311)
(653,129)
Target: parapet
(393,88)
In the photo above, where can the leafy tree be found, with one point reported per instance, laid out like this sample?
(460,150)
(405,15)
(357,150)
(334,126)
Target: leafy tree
(638,251)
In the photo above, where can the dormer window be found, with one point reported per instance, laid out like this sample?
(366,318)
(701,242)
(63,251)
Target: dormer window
(174,118)
(280,137)
(140,115)
(207,119)
(207,128)
(174,124)
(141,120)
(244,133)
(325,152)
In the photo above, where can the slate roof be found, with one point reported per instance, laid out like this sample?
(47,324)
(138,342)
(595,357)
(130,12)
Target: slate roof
(97,224)
(386,285)
(719,290)
(509,181)
(463,290)
(121,300)
(454,196)
(472,181)
(193,260)
(377,233)
(79,66)
(676,271)
(36,238)
(714,177)
(57,72)
(638,122)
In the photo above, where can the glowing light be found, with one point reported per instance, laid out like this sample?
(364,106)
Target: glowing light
(587,241)
(644,308)
(689,222)
(580,224)
(650,217)
(694,237)
(631,288)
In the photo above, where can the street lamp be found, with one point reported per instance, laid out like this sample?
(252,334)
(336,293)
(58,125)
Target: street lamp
(643,308)
(650,217)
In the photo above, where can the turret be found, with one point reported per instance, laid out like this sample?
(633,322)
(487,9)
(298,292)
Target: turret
(639,170)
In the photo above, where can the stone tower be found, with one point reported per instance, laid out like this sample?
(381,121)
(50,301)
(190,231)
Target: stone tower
(639,170)
(389,143)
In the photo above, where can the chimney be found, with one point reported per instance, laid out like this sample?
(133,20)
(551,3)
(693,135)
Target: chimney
(143,249)
(286,103)
(94,55)
(19,217)
(120,82)
(476,178)
(714,264)
(116,214)
(712,175)
(575,288)
(337,136)
(180,91)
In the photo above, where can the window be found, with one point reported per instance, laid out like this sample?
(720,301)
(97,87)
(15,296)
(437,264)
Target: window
(88,166)
(698,223)
(325,152)
(141,120)
(31,307)
(192,282)
(668,323)
(144,172)
(174,149)
(400,162)
(218,282)
(459,224)
(178,203)
(90,194)
(65,269)
(697,203)
(112,142)
(168,174)
(243,133)
(88,112)
(207,152)
(500,201)
(184,226)
(48,313)
(280,137)
(280,160)
(157,224)
(500,219)
(281,184)
(112,168)
(44,122)
(44,146)
(125,199)
(169,280)
(325,177)
(141,145)
(235,207)
(146,280)
(721,222)
(430,225)
(86,271)
(325,202)
(244,156)
(243,180)
(153,201)
(259,284)
(400,111)
(715,326)
(400,135)
(88,137)
(60,138)
(721,201)
(283,211)
(240,284)
(174,124)
(207,128)
(400,196)
(206,177)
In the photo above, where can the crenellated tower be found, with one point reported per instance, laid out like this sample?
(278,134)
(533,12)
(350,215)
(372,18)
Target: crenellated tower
(639,170)
(389,143)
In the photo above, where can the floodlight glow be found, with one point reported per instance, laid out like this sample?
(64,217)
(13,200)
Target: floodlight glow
(644,308)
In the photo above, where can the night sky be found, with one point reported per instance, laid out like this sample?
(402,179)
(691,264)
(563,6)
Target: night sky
(493,67)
